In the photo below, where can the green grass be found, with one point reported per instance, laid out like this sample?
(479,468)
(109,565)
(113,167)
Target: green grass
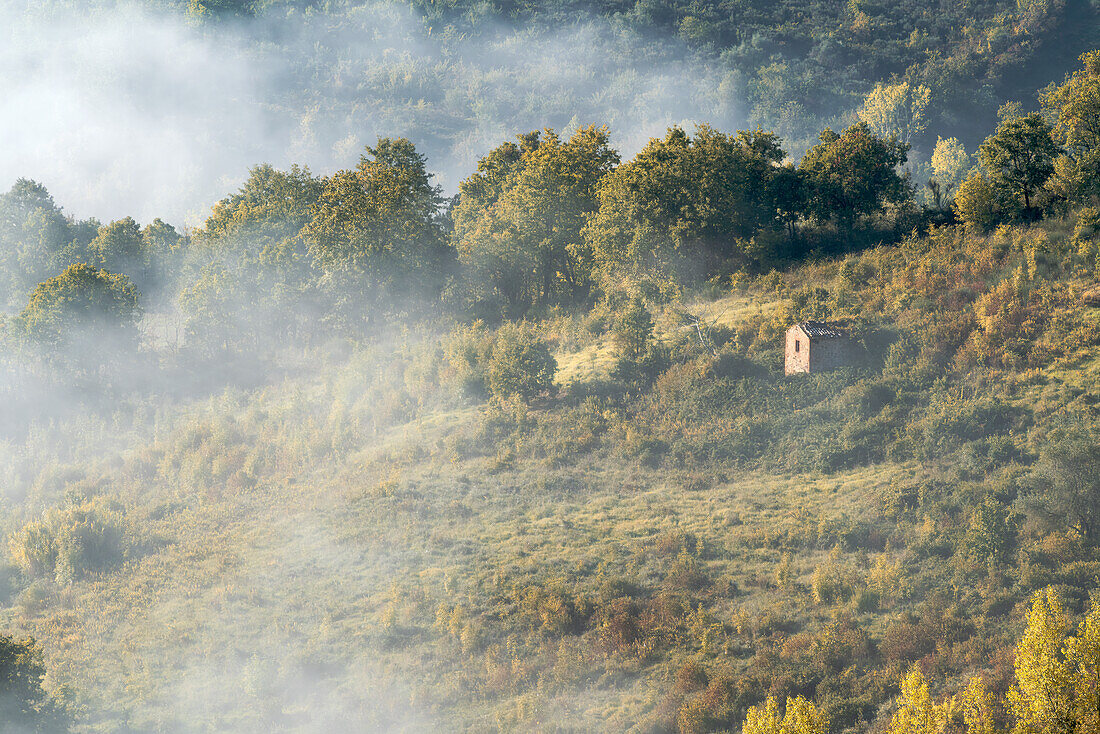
(733,309)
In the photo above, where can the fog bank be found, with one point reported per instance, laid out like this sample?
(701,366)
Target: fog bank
(125,111)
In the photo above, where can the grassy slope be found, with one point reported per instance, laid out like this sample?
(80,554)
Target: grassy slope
(295,555)
(295,574)
(288,581)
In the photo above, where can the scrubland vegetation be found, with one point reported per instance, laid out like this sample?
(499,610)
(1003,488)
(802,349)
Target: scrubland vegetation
(356,456)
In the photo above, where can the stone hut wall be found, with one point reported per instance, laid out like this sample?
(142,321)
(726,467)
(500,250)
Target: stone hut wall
(828,354)
(796,361)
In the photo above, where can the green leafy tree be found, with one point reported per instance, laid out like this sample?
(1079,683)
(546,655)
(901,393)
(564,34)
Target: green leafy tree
(257,234)
(265,216)
(118,247)
(991,531)
(498,273)
(980,205)
(623,243)
(34,231)
(164,249)
(83,318)
(709,189)
(375,231)
(260,226)
(1075,107)
(216,314)
(519,219)
(854,174)
(496,170)
(788,192)
(521,366)
(1065,484)
(633,330)
(202,11)
(1020,156)
(161,238)
(25,706)
(689,199)
(36,240)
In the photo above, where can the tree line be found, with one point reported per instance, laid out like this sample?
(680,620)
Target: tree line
(546,221)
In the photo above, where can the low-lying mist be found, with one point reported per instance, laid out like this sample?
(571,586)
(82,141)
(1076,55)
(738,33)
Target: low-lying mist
(123,110)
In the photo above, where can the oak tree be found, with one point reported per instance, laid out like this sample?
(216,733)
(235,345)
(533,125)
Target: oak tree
(1020,156)
(854,174)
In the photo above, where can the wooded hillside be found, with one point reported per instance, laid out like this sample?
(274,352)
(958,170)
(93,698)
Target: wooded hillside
(354,455)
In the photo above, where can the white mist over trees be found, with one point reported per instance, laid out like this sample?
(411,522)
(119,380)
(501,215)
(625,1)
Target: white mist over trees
(128,111)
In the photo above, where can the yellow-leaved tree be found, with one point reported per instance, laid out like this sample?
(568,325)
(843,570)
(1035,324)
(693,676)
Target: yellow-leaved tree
(896,109)
(974,706)
(917,713)
(801,717)
(763,719)
(1057,687)
(1083,656)
(978,202)
(950,164)
(1043,698)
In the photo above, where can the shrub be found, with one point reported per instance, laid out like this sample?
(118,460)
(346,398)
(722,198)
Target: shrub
(783,574)
(521,367)
(1063,491)
(687,573)
(466,355)
(71,542)
(1088,223)
(867,600)
(553,609)
(886,578)
(906,641)
(713,709)
(831,583)
(991,531)
(977,203)
(618,624)
(34,549)
(633,329)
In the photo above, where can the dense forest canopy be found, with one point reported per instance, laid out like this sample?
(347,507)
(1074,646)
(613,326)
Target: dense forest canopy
(476,418)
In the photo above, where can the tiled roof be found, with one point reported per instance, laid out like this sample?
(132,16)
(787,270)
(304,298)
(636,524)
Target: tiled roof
(822,330)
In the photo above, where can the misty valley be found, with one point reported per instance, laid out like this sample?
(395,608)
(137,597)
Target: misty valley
(621,366)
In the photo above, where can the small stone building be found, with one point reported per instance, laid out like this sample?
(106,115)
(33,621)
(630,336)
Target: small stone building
(816,346)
